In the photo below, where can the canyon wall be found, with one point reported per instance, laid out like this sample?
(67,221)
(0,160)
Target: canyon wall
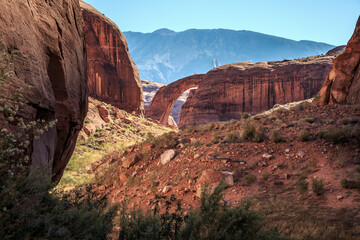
(47,40)
(227,91)
(166,96)
(112,75)
(342,84)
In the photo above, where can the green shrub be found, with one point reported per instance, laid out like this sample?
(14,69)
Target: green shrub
(349,120)
(232,137)
(309,119)
(250,178)
(250,133)
(302,185)
(317,185)
(276,137)
(31,209)
(304,135)
(265,175)
(341,135)
(350,184)
(245,115)
(212,220)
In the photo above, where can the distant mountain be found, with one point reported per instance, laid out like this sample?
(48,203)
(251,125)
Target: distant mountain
(165,56)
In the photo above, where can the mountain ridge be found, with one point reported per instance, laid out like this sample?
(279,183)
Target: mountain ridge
(164,55)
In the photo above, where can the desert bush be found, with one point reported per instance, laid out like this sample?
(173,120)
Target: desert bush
(304,135)
(212,220)
(302,185)
(350,184)
(250,178)
(166,140)
(317,185)
(276,137)
(232,137)
(32,209)
(250,133)
(245,115)
(341,135)
(309,119)
(349,120)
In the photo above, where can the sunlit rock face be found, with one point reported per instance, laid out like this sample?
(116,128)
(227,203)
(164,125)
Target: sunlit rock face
(227,91)
(342,84)
(112,75)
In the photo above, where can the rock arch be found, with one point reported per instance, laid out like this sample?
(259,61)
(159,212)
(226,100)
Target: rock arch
(165,97)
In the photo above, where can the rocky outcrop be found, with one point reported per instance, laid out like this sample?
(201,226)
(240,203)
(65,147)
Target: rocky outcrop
(227,91)
(50,63)
(163,101)
(150,88)
(112,75)
(342,84)
(336,50)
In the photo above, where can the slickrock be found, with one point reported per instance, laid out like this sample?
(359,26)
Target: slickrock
(342,84)
(227,91)
(49,40)
(112,75)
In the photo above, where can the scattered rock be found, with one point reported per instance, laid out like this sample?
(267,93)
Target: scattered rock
(104,114)
(287,150)
(131,160)
(167,156)
(197,155)
(267,156)
(166,189)
(339,197)
(301,154)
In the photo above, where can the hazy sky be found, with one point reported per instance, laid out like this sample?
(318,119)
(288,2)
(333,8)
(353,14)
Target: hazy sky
(330,21)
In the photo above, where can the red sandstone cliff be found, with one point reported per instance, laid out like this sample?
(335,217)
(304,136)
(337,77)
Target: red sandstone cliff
(342,84)
(50,63)
(226,91)
(112,75)
(166,96)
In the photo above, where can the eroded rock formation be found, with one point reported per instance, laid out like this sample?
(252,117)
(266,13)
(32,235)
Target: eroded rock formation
(342,84)
(165,97)
(112,75)
(226,91)
(50,64)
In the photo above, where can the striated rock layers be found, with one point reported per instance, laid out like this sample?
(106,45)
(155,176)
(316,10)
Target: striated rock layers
(342,84)
(165,97)
(112,75)
(50,63)
(228,90)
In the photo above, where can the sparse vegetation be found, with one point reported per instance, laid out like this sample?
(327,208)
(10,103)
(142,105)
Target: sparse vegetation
(250,178)
(276,137)
(212,220)
(245,115)
(304,135)
(341,135)
(317,185)
(350,184)
(302,185)
(232,137)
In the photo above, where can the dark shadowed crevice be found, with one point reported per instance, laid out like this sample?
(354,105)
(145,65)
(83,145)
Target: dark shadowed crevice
(56,75)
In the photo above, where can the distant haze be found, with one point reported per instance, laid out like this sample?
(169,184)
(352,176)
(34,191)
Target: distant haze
(164,56)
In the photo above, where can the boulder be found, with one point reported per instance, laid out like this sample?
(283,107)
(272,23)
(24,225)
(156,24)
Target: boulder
(167,156)
(50,64)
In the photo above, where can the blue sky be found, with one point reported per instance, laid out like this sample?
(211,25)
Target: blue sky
(330,21)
